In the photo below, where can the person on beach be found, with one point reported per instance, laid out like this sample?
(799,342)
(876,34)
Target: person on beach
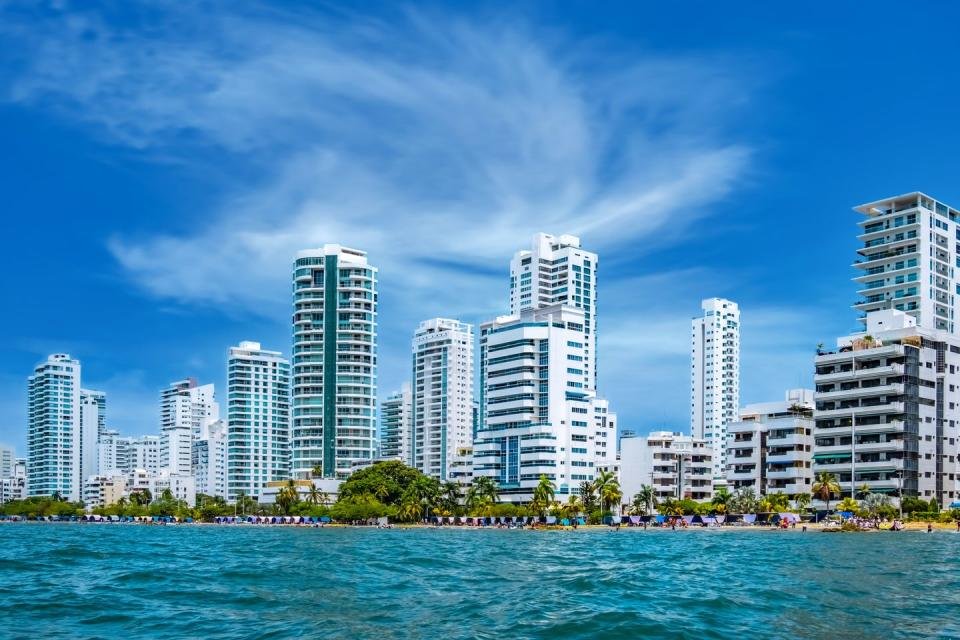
(929,528)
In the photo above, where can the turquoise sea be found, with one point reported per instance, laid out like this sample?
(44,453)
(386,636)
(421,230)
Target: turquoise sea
(130,581)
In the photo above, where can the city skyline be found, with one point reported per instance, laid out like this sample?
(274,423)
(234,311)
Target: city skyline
(161,295)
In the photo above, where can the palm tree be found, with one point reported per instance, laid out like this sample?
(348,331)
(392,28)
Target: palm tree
(848,504)
(313,495)
(744,500)
(648,496)
(720,499)
(587,496)
(317,471)
(482,492)
(450,495)
(166,495)
(863,491)
(601,483)
(825,486)
(542,495)
(410,508)
(611,494)
(778,501)
(802,501)
(572,508)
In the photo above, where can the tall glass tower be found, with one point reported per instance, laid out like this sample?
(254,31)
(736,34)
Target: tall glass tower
(334,361)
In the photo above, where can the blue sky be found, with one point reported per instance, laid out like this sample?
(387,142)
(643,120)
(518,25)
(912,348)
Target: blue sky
(162,164)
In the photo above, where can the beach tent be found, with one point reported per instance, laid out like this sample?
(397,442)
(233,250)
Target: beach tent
(688,519)
(661,519)
(749,518)
(325,519)
(720,519)
(846,514)
(565,522)
(551,519)
(696,520)
(635,520)
(708,520)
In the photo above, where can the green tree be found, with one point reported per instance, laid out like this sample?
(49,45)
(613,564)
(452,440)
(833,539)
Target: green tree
(317,471)
(848,504)
(802,501)
(721,498)
(744,500)
(482,494)
(588,496)
(543,495)
(934,506)
(826,486)
(648,496)
(778,501)
(863,491)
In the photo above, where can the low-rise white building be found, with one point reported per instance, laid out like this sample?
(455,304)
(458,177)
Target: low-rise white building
(675,465)
(104,490)
(328,489)
(183,487)
(770,449)
(13,484)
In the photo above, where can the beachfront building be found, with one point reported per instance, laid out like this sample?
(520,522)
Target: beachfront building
(143,453)
(536,403)
(396,426)
(113,454)
(770,449)
(442,414)
(604,435)
(209,459)
(715,377)
(102,490)
(334,361)
(676,466)
(13,480)
(93,405)
(185,408)
(557,271)
(324,491)
(461,469)
(182,487)
(258,420)
(7,461)
(54,434)
(908,260)
(887,409)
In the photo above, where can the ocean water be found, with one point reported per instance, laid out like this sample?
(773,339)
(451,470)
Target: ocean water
(129,581)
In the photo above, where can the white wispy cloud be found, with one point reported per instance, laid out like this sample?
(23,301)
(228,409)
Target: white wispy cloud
(437,144)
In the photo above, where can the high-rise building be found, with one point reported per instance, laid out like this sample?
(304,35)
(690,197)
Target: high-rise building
(396,425)
(144,453)
(54,434)
(536,403)
(98,399)
(555,270)
(209,460)
(770,449)
(334,361)
(888,408)
(93,405)
(715,377)
(258,419)
(7,461)
(185,408)
(442,394)
(112,453)
(604,434)
(909,260)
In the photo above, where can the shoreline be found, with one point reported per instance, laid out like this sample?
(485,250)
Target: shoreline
(811,527)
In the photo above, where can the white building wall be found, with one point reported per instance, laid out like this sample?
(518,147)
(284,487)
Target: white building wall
(442,394)
(185,409)
(258,419)
(535,403)
(715,376)
(896,395)
(675,465)
(209,460)
(92,405)
(396,426)
(909,259)
(557,271)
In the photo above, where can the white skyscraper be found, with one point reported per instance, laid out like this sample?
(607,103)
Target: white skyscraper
(92,420)
(334,361)
(185,408)
(537,403)
(54,434)
(442,394)
(909,260)
(557,271)
(396,425)
(715,377)
(258,419)
(144,453)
